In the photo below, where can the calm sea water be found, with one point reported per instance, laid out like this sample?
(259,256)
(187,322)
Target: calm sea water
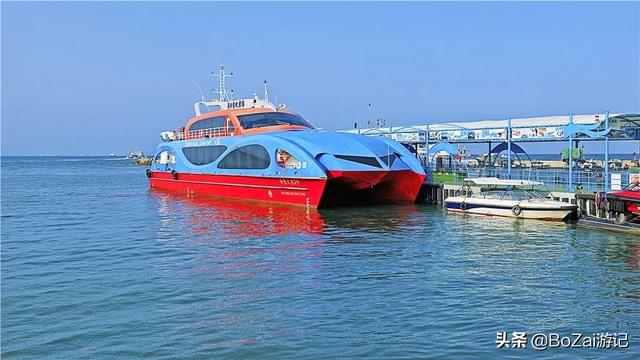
(96,266)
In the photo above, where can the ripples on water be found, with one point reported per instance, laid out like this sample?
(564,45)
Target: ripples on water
(94,265)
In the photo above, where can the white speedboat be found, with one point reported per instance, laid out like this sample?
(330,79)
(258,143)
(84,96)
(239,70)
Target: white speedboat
(512,198)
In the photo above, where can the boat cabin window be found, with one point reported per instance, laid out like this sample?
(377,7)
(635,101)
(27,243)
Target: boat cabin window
(253,121)
(246,157)
(286,160)
(210,123)
(515,194)
(492,194)
(203,155)
(165,158)
(162,157)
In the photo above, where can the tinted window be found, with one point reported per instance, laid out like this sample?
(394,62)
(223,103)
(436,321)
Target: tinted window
(202,155)
(210,123)
(371,161)
(388,159)
(494,194)
(165,157)
(271,119)
(246,157)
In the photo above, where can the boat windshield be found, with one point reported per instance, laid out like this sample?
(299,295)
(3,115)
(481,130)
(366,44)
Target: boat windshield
(539,193)
(253,121)
(512,193)
(634,186)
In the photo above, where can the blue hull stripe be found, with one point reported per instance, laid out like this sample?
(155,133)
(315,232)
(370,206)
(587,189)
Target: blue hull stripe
(452,205)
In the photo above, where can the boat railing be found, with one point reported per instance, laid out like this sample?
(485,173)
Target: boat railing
(204,133)
(555,179)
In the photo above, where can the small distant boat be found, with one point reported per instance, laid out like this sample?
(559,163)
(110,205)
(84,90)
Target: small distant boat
(511,198)
(590,164)
(615,164)
(537,164)
(112,155)
(135,155)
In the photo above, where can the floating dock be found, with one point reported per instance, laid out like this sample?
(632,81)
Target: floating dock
(592,215)
(572,180)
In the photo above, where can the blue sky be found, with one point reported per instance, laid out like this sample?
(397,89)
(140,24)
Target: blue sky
(87,78)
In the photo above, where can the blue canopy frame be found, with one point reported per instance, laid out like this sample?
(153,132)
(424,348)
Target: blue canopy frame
(515,148)
(442,146)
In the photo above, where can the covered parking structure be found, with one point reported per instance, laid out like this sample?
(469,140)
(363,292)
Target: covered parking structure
(557,128)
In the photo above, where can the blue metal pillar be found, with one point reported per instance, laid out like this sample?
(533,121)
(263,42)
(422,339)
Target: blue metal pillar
(606,152)
(426,151)
(509,150)
(570,182)
(487,161)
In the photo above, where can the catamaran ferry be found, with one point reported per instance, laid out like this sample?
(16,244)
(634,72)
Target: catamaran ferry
(252,149)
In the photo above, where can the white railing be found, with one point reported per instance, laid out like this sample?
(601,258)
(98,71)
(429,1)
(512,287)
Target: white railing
(204,133)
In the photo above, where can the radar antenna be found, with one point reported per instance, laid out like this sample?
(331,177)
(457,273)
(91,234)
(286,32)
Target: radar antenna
(222,91)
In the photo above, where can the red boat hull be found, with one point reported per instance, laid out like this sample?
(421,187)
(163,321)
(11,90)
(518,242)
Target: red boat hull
(390,187)
(305,192)
(340,187)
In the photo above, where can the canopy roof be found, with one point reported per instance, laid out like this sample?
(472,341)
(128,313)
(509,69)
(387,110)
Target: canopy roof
(496,181)
(543,121)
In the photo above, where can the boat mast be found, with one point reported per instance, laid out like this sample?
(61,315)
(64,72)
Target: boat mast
(222,91)
(266,91)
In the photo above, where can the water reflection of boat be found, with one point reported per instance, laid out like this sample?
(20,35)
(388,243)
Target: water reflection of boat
(229,218)
(224,218)
(360,222)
